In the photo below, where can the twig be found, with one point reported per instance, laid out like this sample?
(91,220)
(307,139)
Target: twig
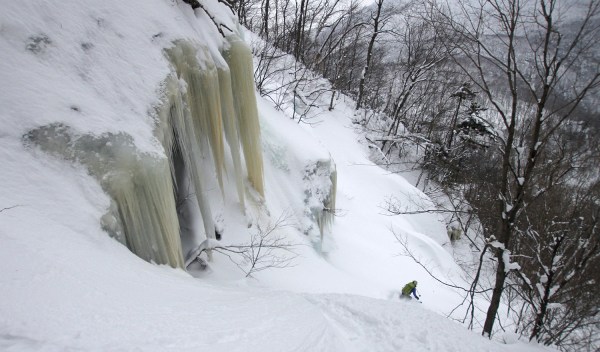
(196,4)
(407,252)
(8,208)
(260,253)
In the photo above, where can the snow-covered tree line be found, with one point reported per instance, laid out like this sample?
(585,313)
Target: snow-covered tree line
(498,99)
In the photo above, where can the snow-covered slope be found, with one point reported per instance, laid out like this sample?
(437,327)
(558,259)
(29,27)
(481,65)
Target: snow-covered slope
(66,285)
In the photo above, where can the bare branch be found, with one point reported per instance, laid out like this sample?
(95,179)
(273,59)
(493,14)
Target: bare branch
(265,250)
(8,208)
(402,240)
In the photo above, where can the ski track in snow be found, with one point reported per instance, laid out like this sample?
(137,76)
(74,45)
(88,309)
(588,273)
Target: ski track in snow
(379,325)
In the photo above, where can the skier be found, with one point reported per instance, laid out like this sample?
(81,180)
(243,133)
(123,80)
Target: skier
(409,288)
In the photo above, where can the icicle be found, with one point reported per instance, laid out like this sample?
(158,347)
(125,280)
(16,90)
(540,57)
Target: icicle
(327,214)
(239,59)
(140,185)
(178,132)
(231,129)
(202,98)
(329,204)
(143,192)
(320,191)
(199,126)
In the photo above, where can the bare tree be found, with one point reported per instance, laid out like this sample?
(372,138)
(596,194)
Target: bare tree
(420,55)
(300,28)
(520,57)
(376,16)
(557,276)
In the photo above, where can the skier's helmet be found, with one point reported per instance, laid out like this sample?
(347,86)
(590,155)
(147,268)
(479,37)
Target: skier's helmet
(415,282)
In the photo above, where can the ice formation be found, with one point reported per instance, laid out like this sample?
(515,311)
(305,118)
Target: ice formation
(142,215)
(198,111)
(159,200)
(238,55)
(320,193)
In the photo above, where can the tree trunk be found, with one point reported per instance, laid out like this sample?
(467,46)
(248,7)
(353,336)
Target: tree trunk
(300,23)
(264,30)
(453,124)
(496,295)
(361,85)
(331,102)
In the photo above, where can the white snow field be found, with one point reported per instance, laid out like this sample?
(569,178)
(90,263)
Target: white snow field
(65,285)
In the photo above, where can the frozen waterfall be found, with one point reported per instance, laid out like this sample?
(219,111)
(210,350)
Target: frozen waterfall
(199,110)
(207,123)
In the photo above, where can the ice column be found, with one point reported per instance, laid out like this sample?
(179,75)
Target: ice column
(239,59)
(140,185)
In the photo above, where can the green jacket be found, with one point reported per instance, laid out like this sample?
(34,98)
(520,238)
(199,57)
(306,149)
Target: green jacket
(408,288)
